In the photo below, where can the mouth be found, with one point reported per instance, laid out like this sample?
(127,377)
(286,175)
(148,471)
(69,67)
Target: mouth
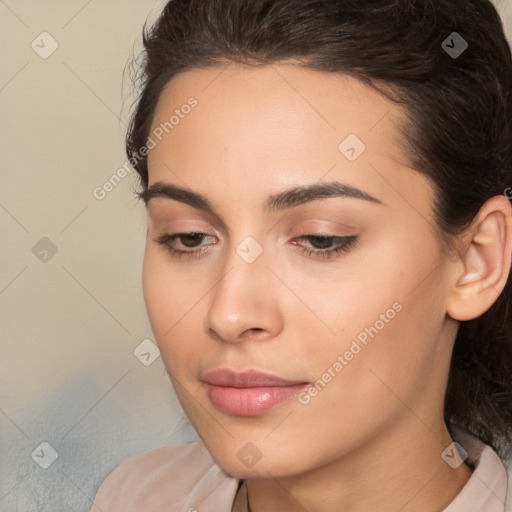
(249,393)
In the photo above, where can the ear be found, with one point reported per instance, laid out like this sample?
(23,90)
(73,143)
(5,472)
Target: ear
(480,275)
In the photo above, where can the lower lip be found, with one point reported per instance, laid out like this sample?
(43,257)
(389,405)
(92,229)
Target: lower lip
(250,401)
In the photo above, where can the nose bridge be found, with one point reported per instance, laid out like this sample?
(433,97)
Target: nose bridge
(243,298)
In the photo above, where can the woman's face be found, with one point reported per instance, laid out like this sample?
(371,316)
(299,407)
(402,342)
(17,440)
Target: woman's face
(365,325)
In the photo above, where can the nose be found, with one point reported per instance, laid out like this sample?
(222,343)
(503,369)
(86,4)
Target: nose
(245,302)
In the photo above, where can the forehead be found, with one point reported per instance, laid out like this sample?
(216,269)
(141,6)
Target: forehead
(331,99)
(259,108)
(260,129)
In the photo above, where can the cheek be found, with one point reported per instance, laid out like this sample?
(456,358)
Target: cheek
(388,324)
(169,296)
(155,286)
(175,305)
(382,310)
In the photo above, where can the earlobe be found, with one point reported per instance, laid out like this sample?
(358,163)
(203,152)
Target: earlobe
(486,262)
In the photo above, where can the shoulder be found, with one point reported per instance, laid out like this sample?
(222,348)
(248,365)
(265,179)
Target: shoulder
(181,478)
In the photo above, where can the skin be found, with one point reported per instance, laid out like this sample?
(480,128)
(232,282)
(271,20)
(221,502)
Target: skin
(372,438)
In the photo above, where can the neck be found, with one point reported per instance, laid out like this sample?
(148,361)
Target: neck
(401,469)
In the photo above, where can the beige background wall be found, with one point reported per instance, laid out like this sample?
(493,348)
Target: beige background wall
(71,321)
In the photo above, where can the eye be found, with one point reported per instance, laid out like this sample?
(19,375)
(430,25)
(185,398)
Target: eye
(191,240)
(321,246)
(325,247)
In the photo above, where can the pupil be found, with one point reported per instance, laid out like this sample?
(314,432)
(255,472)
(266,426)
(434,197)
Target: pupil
(194,237)
(324,242)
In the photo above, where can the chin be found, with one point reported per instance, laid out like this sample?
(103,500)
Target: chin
(265,467)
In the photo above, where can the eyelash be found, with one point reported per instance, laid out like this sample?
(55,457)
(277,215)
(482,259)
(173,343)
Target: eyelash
(345,244)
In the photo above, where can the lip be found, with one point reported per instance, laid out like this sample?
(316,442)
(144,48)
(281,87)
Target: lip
(249,393)
(247,379)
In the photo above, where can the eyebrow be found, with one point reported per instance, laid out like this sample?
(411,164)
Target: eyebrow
(289,198)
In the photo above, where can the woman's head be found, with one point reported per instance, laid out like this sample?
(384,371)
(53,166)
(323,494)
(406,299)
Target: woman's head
(405,135)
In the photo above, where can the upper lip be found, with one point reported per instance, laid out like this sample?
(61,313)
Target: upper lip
(246,379)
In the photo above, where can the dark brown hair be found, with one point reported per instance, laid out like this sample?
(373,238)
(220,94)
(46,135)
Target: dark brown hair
(458,130)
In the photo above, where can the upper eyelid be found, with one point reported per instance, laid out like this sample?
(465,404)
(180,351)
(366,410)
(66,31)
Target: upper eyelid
(316,231)
(210,218)
(307,233)
(320,231)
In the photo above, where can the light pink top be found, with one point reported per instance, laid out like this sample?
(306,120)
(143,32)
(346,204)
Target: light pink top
(185,478)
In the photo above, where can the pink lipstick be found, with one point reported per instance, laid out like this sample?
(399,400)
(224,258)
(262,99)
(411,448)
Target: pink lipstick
(249,393)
